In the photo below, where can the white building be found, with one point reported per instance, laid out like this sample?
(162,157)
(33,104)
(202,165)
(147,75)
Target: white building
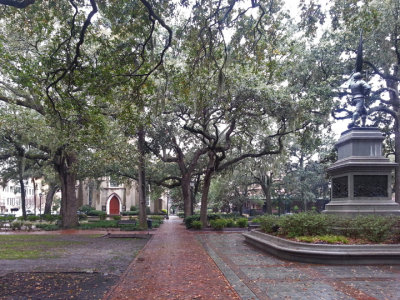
(10,197)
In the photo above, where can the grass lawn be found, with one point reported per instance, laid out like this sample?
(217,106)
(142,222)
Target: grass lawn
(32,246)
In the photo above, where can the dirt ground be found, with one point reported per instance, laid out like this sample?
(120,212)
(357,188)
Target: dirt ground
(85,267)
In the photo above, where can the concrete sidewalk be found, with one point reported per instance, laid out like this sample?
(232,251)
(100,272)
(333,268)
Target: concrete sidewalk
(173,265)
(257,275)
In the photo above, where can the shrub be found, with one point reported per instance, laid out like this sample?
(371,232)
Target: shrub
(86,209)
(96,213)
(373,228)
(7,218)
(181,215)
(189,220)
(157,217)
(130,213)
(16,225)
(230,223)
(197,225)
(99,224)
(117,218)
(164,211)
(47,227)
(213,216)
(32,218)
(304,224)
(50,218)
(28,226)
(242,222)
(218,224)
(268,223)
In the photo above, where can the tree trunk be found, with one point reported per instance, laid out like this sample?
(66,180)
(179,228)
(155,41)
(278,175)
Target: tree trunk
(142,179)
(206,188)
(266,187)
(69,204)
(53,188)
(186,194)
(204,198)
(21,169)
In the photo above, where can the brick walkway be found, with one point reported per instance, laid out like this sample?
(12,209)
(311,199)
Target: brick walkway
(173,265)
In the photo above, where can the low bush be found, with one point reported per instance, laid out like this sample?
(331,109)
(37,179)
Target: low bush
(133,208)
(230,223)
(197,225)
(117,218)
(164,211)
(96,213)
(86,209)
(33,218)
(268,223)
(16,225)
(99,224)
(47,227)
(304,224)
(50,218)
(157,217)
(242,222)
(218,224)
(373,228)
(181,215)
(7,218)
(130,213)
(189,220)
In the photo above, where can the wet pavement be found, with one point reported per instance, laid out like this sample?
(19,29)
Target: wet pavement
(173,265)
(258,275)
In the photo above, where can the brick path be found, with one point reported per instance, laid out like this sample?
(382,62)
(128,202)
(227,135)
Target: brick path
(173,265)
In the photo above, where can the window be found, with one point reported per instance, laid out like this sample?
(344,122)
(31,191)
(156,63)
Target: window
(114,183)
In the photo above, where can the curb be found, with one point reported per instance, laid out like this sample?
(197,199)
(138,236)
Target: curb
(324,254)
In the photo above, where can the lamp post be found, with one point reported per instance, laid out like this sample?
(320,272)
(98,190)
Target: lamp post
(192,196)
(167,205)
(40,206)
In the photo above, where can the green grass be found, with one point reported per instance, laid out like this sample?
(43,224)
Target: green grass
(31,246)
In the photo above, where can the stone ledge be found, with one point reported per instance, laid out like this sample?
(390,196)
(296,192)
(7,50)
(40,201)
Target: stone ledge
(322,253)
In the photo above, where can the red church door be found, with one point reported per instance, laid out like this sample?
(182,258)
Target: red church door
(114,206)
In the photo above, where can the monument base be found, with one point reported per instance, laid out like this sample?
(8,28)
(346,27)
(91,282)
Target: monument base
(361,177)
(363,207)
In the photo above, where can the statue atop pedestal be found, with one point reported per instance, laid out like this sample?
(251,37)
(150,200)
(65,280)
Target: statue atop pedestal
(360,91)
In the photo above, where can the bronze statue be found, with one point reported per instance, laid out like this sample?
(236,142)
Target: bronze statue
(359,91)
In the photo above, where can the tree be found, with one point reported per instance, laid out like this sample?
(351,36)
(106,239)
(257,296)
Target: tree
(61,68)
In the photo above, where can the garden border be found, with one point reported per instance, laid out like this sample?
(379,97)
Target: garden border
(322,253)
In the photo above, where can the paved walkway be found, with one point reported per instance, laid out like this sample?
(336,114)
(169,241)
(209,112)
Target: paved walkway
(257,275)
(173,265)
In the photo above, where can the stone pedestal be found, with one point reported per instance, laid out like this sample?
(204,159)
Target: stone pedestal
(361,178)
